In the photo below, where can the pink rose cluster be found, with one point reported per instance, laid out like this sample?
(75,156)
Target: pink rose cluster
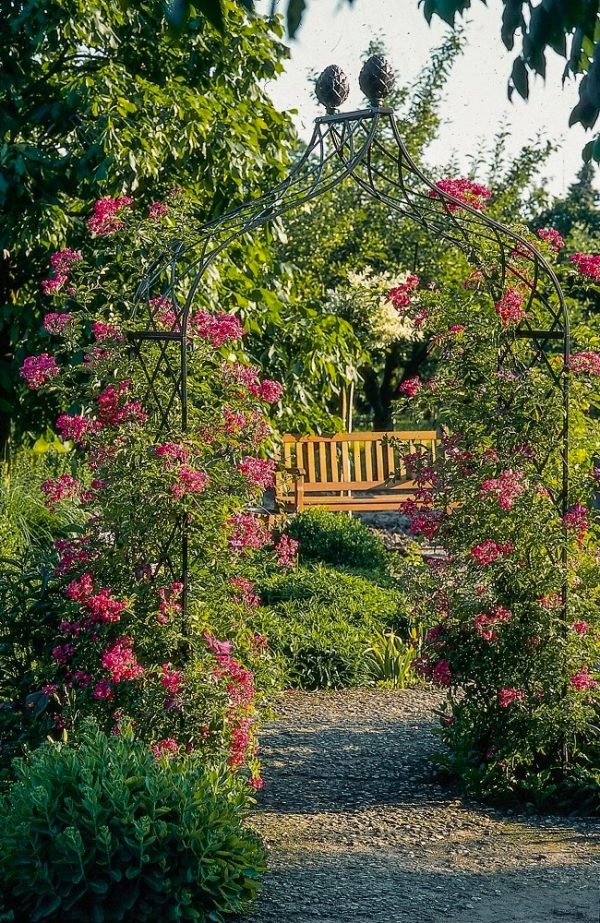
(39,370)
(582,681)
(400,295)
(411,386)
(244,592)
(587,363)
(488,551)
(58,323)
(588,265)
(506,488)
(510,307)
(217,329)
(106,215)
(553,237)
(257,471)
(63,487)
(247,376)
(465,190)
(486,623)
(62,263)
(577,520)
(509,696)
(247,532)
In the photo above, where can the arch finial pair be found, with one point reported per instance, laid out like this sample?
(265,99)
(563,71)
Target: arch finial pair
(376,80)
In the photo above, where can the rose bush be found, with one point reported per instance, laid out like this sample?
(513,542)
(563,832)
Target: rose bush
(127,645)
(513,631)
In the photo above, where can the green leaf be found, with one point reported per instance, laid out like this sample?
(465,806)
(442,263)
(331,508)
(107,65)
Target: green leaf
(295,11)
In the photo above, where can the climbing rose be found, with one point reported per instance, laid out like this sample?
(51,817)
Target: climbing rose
(55,284)
(411,386)
(62,260)
(171,679)
(552,237)
(400,295)
(106,218)
(576,520)
(269,391)
(37,370)
(582,681)
(506,488)
(57,323)
(581,628)
(102,331)
(121,662)
(218,329)
(75,428)
(171,452)
(468,192)
(157,210)
(488,551)
(287,551)
(257,471)
(510,307)
(64,487)
(246,532)
(189,481)
(588,264)
(244,589)
(167,748)
(507,697)
(586,362)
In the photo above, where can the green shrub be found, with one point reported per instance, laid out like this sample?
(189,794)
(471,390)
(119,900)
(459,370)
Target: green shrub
(337,539)
(354,596)
(321,621)
(321,648)
(102,831)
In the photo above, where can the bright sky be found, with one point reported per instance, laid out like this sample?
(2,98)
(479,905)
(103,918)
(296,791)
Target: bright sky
(476,104)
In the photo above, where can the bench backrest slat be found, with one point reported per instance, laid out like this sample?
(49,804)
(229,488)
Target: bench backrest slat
(353,458)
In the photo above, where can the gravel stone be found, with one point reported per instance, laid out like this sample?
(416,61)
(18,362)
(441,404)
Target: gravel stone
(358,830)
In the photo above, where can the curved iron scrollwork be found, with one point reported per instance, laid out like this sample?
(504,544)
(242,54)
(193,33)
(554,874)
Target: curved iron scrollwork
(364,147)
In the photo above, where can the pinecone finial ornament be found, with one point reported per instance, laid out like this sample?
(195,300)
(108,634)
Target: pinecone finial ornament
(376,80)
(332,88)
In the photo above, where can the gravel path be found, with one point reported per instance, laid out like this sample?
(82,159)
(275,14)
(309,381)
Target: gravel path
(358,832)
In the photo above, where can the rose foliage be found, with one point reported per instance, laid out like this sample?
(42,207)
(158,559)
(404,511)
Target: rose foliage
(119,645)
(514,632)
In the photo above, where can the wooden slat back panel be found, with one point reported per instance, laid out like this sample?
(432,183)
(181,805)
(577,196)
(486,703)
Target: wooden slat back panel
(355,458)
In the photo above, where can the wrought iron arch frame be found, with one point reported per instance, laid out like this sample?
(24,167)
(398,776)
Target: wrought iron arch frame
(355,146)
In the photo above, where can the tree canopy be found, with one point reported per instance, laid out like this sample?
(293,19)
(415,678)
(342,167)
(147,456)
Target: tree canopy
(99,99)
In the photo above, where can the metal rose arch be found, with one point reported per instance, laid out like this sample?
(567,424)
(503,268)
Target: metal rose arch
(366,148)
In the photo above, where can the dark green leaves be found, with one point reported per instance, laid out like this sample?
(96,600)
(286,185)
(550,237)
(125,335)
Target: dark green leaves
(295,11)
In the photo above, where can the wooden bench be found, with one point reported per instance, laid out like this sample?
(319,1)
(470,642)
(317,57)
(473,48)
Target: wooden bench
(349,471)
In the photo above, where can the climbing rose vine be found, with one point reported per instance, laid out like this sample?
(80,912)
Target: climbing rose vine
(514,634)
(127,646)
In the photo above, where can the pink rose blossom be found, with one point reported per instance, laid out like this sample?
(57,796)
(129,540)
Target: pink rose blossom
(552,237)
(588,264)
(157,210)
(246,532)
(510,307)
(286,551)
(106,217)
(582,681)
(507,697)
(257,471)
(38,370)
(474,194)
(217,329)
(57,323)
